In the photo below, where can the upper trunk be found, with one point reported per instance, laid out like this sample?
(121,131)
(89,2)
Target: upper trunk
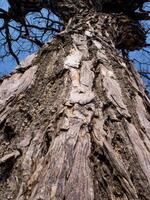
(75,123)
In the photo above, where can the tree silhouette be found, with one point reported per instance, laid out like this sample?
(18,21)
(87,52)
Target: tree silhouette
(26,22)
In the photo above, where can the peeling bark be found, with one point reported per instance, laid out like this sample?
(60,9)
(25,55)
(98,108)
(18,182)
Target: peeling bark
(75,123)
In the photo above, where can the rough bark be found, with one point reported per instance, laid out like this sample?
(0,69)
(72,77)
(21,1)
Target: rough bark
(75,121)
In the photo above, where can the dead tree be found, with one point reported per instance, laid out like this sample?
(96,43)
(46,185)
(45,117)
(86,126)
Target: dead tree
(74,119)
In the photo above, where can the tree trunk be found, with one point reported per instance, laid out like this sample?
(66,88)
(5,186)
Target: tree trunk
(75,123)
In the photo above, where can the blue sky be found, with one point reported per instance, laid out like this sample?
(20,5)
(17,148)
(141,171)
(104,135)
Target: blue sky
(8,63)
